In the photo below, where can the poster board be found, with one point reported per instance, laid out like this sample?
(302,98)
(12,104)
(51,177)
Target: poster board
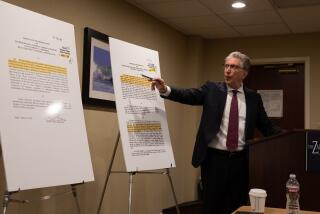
(43,135)
(141,112)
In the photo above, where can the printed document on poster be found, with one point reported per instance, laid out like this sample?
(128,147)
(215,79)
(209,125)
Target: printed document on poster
(43,134)
(141,112)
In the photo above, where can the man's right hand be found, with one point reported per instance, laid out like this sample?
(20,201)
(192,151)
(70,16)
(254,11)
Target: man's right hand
(159,84)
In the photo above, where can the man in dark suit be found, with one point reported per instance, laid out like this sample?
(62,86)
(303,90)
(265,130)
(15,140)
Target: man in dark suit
(231,112)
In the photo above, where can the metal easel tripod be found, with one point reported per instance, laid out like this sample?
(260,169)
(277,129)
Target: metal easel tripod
(131,174)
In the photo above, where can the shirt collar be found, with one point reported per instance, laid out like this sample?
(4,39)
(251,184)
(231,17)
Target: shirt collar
(240,90)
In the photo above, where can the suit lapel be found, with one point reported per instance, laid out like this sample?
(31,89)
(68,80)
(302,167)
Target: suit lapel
(249,108)
(223,98)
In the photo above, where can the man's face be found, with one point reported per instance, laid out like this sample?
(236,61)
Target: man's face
(233,73)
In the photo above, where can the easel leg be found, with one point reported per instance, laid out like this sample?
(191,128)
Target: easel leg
(109,172)
(74,193)
(130,190)
(6,200)
(173,192)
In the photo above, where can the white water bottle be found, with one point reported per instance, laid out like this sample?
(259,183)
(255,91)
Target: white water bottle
(293,194)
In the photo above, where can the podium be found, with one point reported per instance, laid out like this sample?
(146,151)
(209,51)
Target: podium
(272,159)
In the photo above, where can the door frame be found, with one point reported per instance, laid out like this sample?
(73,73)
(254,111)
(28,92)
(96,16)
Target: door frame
(306,61)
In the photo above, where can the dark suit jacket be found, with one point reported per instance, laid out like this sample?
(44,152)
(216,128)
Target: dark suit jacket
(212,96)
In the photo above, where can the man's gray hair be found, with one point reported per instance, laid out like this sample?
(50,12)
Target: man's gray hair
(245,61)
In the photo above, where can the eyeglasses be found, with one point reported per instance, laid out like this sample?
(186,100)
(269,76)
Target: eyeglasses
(231,66)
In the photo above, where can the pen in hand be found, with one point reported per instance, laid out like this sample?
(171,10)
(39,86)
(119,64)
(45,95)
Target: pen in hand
(156,83)
(147,77)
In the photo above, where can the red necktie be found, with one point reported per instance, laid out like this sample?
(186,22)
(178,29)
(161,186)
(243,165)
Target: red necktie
(233,127)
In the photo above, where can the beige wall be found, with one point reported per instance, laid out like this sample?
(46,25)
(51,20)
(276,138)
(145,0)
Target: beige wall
(185,61)
(151,193)
(299,45)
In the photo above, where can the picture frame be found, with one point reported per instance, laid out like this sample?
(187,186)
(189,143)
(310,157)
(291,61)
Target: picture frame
(97,85)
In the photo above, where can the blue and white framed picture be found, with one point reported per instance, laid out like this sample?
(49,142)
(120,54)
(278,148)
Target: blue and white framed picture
(97,84)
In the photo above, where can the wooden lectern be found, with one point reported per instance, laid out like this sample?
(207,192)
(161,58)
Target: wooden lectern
(272,159)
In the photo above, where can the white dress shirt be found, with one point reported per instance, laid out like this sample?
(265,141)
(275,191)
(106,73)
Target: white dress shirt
(219,141)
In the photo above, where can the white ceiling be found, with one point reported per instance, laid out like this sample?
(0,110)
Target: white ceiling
(217,19)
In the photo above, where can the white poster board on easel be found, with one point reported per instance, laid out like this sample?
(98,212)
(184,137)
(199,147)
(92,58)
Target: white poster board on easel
(43,135)
(141,112)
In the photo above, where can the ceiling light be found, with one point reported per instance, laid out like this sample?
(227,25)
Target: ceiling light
(238,4)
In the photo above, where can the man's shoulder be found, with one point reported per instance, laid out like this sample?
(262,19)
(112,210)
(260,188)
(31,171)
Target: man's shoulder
(251,94)
(249,90)
(215,87)
(215,84)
